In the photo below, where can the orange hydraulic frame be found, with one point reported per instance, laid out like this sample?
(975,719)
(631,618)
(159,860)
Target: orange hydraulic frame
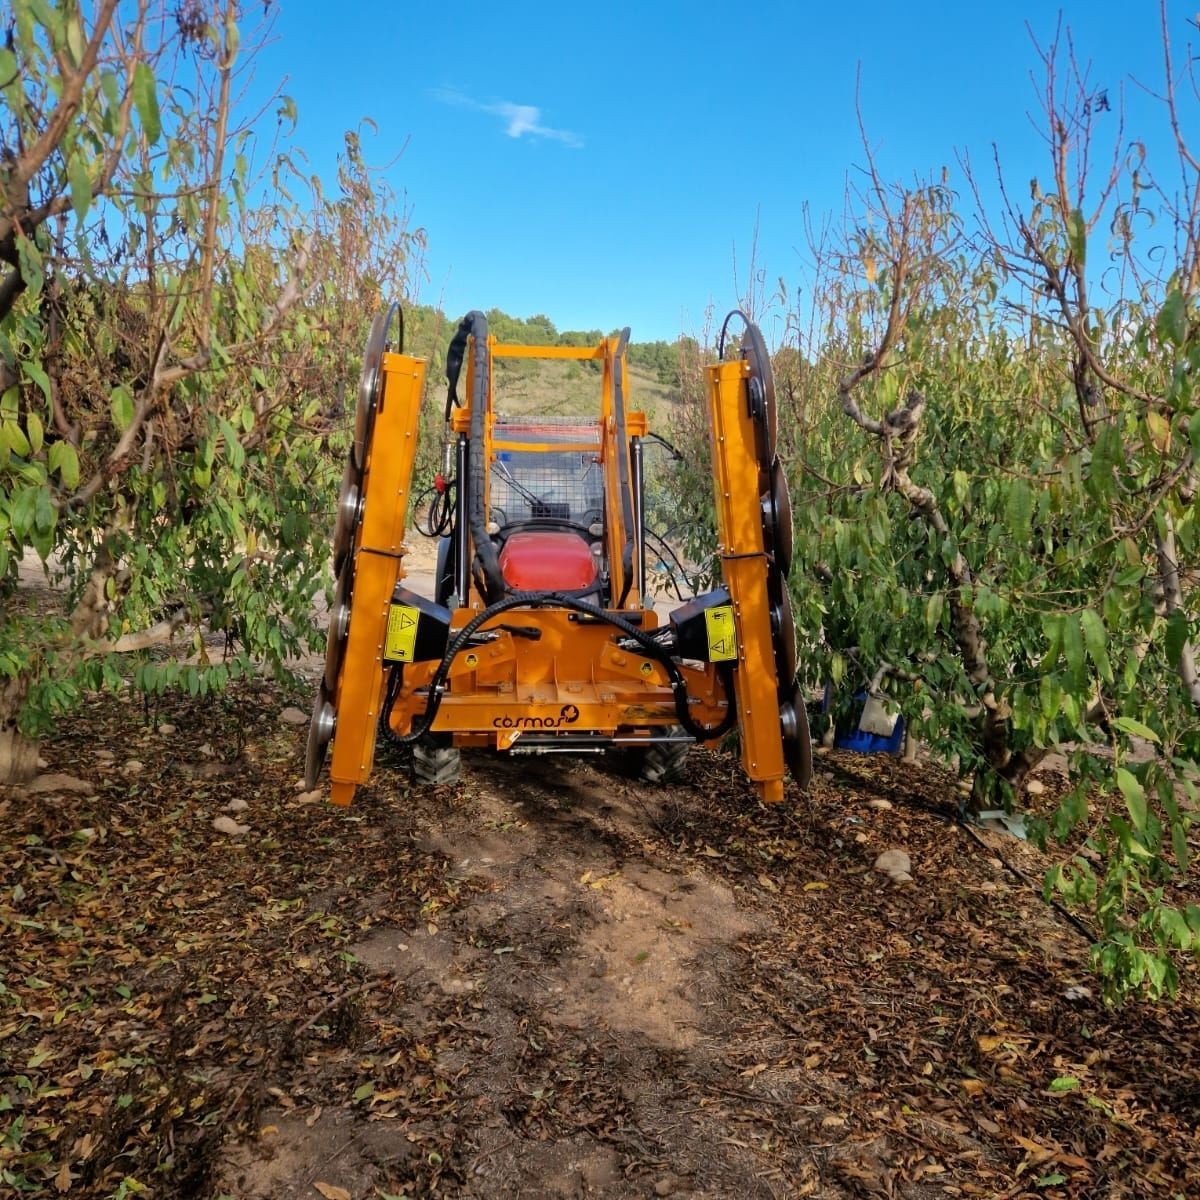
(570,678)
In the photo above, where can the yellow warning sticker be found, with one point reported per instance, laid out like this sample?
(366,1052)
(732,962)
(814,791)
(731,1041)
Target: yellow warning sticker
(401,641)
(718,623)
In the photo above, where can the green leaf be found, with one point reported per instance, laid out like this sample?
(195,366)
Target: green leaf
(22,511)
(35,374)
(1072,631)
(1077,236)
(1179,843)
(15,438)
(363,1091)
(121,405)
(1171,323)
(145,99)
(961,484)
(37,434)
(81,185)
(44,512)
(1020,508)
(1051,1180)
(1134,728)
(286,110)
(1135,798)
(75,42)
(933,610)
(1177,635)
(63,459)
(1064,1083)
(32,270)
(1096,637)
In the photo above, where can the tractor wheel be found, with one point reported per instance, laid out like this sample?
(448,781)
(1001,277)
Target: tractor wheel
(434,762)
(662,762)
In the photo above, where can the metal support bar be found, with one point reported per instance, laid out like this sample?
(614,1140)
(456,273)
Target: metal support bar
(462,521)
(639,516)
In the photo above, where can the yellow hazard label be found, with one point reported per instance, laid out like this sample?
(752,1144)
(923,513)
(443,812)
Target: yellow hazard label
(718,624)
(401,641)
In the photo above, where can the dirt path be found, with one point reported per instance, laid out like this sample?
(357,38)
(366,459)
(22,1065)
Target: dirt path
(548,980)
(573,949)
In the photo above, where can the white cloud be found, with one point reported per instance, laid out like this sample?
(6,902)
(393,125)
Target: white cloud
(519,119)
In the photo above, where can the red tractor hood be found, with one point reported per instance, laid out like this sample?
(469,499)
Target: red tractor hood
(547,560)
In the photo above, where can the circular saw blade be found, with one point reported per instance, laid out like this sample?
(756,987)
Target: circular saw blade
(762,385)
(339,626)
(797,745)
(349,508)
(320,734)
(369,382)
(783,638)
(778,531)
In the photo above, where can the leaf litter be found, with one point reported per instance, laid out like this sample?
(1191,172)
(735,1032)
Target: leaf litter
(548,980)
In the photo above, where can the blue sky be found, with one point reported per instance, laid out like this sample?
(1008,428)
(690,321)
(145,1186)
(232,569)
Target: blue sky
(601,163)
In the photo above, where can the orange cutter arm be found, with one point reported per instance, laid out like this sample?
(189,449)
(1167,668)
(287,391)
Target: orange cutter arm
(377,554)
(744,565)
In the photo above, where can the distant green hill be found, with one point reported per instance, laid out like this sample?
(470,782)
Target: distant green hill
(550,387)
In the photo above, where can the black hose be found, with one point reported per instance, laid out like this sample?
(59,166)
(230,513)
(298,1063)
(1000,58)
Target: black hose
(440,514)
(737,312)
(670,553)
(701,733)
(658,437)
(494,587)
(454,360)
(623,484)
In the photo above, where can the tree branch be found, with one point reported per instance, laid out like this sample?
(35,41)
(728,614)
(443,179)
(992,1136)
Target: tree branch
(128,643)
(72,84)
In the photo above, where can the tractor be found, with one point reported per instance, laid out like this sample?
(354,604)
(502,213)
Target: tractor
(539,635)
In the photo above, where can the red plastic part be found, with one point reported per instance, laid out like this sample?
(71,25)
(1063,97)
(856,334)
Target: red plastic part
(543,560)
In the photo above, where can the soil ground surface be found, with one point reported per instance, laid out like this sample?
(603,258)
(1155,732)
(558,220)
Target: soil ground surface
(547,980)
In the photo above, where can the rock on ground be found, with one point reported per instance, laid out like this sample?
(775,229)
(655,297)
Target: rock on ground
(896,865)
(58,782)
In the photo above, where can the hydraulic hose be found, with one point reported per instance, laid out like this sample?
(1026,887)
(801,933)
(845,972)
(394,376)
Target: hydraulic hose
(494,588)
(701,733)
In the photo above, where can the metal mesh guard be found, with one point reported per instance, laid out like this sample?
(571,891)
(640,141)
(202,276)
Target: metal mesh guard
(540,485)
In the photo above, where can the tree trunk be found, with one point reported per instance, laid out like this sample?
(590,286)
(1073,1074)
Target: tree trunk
(1004,767)
(18,754)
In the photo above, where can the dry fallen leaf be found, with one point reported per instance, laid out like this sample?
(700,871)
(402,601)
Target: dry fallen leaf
(330,1192)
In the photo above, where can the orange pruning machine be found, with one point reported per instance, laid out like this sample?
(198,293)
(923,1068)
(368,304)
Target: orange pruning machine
(538,635)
